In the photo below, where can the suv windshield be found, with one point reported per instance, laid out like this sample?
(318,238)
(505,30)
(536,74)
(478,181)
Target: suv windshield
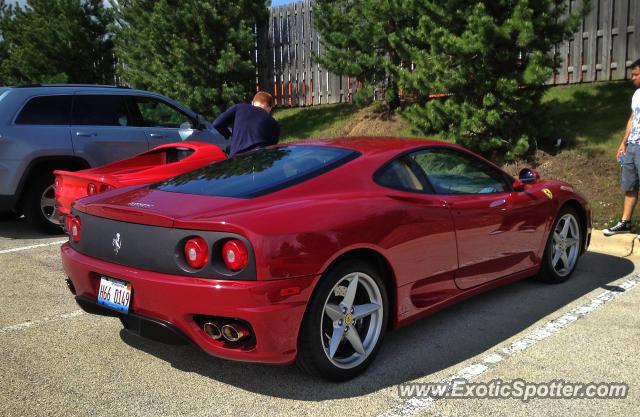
(259,172)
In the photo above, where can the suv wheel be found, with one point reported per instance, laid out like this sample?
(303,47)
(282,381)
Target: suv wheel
(40,204)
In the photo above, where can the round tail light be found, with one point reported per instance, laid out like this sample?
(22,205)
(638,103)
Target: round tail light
(106,187)
(196,252)
(235,254)
(91,189)
(73,227)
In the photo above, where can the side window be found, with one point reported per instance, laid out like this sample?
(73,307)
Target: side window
(100,110)
(51,110)
(398,175)
(452,172)
(157,113)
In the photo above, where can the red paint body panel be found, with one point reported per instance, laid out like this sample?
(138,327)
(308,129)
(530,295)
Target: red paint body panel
(175,299)
(439,248)
(145,168)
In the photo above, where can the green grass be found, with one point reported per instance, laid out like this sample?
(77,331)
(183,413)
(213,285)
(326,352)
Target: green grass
(591,116)
(590,119)
(313,122)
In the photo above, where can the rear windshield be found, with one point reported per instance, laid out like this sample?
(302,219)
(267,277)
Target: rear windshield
(260,172)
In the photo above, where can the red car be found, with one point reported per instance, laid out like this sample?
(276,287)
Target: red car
(157,164)
(310,252)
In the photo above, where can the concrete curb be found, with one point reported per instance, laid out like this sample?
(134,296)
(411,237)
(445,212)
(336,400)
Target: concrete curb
(622,245)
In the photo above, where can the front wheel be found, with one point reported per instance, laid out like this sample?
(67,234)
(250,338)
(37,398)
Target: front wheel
(563,248)
(345,322)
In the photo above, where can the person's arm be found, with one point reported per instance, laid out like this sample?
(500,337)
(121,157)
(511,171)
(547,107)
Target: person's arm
(623,145)
(225,121)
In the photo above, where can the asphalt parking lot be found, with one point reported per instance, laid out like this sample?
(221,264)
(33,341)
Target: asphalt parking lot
(57,361)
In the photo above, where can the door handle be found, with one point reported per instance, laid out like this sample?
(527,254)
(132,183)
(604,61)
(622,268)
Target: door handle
(85,134)
(158,135)
(498,203)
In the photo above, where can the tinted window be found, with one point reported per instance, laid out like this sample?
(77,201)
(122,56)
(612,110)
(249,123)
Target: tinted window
(99,110)
(451,172)
(259,172)
(51,110)
(398,174)
(156,113)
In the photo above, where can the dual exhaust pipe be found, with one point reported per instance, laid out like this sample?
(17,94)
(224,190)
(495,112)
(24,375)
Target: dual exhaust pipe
(233,332)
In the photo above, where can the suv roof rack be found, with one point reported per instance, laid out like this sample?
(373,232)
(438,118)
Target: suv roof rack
(72,85)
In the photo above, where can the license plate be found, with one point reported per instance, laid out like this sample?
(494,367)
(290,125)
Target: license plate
(114,294)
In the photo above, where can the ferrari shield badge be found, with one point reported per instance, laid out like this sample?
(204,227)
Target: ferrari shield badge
(548,193)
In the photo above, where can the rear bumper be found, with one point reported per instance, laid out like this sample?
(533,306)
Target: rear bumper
(164,307)
(149,328)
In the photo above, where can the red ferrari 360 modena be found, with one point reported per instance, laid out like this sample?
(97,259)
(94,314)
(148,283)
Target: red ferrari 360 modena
(310,252)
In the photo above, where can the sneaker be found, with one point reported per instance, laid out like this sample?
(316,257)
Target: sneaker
(622,227)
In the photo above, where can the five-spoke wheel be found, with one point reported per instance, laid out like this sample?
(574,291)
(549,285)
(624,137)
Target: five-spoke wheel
(345,322)
(563,247)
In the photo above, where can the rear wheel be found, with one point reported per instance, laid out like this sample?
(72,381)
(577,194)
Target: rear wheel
(40,205)
(345,323)
(563,249)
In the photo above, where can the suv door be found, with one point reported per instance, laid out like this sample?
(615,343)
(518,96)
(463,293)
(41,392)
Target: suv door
(103,130)
(166,123)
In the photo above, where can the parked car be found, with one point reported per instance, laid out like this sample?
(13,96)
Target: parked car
(311,251)
(161,162)
(73,127)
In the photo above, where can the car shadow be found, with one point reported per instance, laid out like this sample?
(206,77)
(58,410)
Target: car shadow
(12,227)
(443,340)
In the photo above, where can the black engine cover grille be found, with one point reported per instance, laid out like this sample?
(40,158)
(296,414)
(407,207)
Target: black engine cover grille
(153,248)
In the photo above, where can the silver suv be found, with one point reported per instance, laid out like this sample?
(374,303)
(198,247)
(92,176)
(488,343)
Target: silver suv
(72,127)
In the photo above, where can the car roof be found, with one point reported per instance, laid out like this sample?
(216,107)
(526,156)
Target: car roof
(68,85)
(37,89)
(374,145)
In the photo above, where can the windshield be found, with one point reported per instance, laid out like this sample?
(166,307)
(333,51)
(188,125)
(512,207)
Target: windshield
(259,172)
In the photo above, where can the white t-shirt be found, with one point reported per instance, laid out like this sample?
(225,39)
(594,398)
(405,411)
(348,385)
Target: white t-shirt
(634,136)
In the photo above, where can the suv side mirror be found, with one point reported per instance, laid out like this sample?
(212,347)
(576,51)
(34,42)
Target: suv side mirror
(201,122)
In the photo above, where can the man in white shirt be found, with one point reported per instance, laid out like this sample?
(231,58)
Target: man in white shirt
(629,156)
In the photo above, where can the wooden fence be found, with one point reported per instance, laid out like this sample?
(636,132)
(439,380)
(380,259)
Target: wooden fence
(285,60)
(608,40)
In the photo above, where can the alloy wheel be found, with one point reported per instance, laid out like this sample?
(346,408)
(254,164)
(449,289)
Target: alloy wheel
(352,320)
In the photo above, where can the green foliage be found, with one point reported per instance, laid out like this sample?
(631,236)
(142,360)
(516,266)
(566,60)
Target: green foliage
(55,41)
(358,39)
(198,52)
(363,97)
(493,57)
(4,53)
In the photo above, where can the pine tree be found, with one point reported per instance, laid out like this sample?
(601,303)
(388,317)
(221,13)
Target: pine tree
(4,53)
(198,52)
(358,37)
(56,41)
(493,57)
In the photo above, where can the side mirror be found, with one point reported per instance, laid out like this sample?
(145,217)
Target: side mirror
(201,122)
(528,176)
(518,185)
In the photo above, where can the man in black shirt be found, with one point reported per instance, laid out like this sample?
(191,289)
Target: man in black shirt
(252,124)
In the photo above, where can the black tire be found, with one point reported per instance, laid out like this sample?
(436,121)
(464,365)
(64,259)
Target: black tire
(318,329)
(565,237)
(41,215)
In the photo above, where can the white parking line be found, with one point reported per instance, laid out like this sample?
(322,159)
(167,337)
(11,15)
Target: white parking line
(416,405)
(24,326)
(57,242)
